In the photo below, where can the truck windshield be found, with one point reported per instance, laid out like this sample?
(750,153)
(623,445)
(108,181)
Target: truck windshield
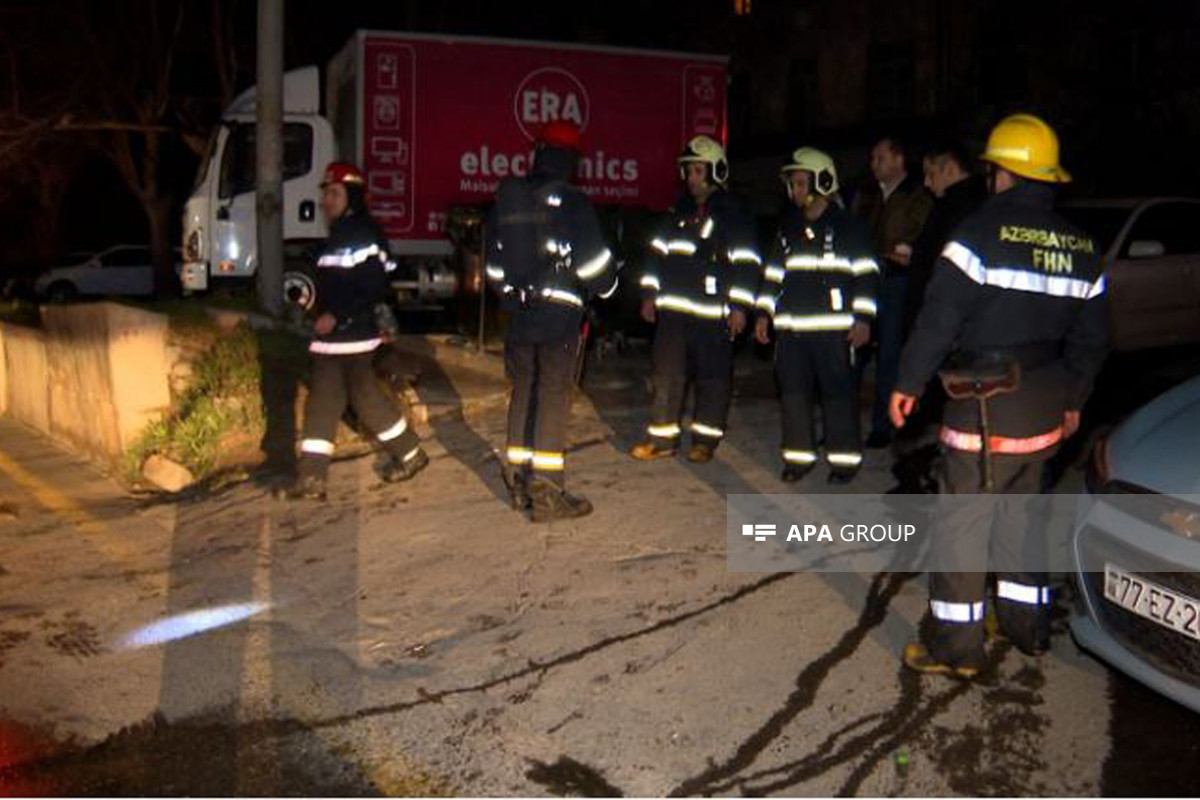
(210,150)
(238,161)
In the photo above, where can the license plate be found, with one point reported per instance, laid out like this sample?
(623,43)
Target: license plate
(1156,603)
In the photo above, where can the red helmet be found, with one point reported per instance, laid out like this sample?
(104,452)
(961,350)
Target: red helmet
(346,174)
(560,133)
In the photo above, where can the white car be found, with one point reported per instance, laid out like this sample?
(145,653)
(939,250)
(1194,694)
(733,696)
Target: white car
(1137,547)
(126,270)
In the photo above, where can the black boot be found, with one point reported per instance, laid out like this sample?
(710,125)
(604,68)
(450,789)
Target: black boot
(842,477)
(517,484)
(307,487)
(396,470)
(550,502)
(795,472)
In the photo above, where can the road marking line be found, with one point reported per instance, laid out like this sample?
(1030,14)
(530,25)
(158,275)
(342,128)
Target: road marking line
(96,532)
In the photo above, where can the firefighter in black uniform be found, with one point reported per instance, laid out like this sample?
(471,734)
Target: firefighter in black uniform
(546,257)
(1019,285)
(818,289)
(351,281)
(701,280)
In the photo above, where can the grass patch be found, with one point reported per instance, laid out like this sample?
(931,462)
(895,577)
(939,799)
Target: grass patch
(223,398)
(20,312)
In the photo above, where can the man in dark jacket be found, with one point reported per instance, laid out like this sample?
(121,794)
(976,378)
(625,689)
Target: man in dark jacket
(957,193)
(819,289)
(351,281)
(700,281)
(1020,287)
(546,257)
(894,208)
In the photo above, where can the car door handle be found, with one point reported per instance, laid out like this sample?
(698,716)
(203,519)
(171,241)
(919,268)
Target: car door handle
(308,211)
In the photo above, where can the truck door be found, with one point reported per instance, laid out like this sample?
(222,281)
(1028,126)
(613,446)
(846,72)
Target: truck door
(235,234)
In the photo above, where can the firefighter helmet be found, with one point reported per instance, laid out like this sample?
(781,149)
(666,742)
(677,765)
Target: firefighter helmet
(818,162)
(705,150)
(346,174)
(1025,145)
(560,133)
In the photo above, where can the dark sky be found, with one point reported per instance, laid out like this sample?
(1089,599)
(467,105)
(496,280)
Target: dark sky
(1125,79)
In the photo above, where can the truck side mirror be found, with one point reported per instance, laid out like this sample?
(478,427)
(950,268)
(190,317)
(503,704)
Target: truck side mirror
(308,211)
(223,214)
(1146,248)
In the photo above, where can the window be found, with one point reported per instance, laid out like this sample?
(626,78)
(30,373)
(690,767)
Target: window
(1175,225)
(1104,224)
(127,257)
(239,161)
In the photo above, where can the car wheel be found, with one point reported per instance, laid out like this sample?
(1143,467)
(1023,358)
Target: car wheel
(62,292)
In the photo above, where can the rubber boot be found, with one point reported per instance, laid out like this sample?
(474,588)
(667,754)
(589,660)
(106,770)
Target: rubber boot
(551,502)
(918,657)
(307,487)
(397,470)
(650,451)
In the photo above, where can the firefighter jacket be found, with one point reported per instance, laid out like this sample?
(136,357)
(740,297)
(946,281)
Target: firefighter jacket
(703,260)
(352,269)
(546,252)
(820,275)
(1019,281)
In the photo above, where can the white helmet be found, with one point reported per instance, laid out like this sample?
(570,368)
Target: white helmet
(818,162)
(705,150)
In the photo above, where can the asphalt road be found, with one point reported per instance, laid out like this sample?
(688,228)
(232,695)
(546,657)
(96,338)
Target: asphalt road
(425,639)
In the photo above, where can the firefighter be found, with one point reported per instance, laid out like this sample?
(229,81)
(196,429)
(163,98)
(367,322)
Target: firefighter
(1016,284)
(701,279)
(818,289)
(546,257)
(351,281)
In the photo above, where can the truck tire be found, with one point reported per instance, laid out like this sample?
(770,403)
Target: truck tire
(299,285)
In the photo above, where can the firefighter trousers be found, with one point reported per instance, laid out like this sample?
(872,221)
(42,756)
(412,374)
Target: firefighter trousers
(814,369)
(688,349)
(1003,532)
(543,379)
(340,379)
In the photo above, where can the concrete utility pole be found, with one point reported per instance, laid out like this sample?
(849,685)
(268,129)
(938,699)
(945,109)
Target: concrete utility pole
(269,140)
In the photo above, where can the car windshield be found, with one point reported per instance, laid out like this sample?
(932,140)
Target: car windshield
(1104,224)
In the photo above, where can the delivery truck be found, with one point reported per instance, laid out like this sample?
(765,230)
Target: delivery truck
(436,122)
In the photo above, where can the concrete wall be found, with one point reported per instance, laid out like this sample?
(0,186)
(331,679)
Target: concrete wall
(94,376)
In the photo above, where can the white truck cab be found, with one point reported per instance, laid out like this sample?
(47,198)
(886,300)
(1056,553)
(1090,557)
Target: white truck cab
(219,218)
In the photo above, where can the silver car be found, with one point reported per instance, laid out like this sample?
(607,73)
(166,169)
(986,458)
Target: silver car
(124,270)
(1137,547)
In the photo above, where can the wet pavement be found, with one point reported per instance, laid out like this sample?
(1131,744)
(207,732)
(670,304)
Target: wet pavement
(425,640)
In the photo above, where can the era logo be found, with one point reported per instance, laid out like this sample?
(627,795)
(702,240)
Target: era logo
(547,95)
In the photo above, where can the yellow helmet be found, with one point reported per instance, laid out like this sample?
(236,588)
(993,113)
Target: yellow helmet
(705,150)
(818,162)
(1025,145)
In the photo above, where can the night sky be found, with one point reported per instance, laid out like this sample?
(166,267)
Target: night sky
(1120,81)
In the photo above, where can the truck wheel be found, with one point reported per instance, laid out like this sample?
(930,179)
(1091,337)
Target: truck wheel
(62,292)
(299,285)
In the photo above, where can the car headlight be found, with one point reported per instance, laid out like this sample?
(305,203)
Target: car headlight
(191,250)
